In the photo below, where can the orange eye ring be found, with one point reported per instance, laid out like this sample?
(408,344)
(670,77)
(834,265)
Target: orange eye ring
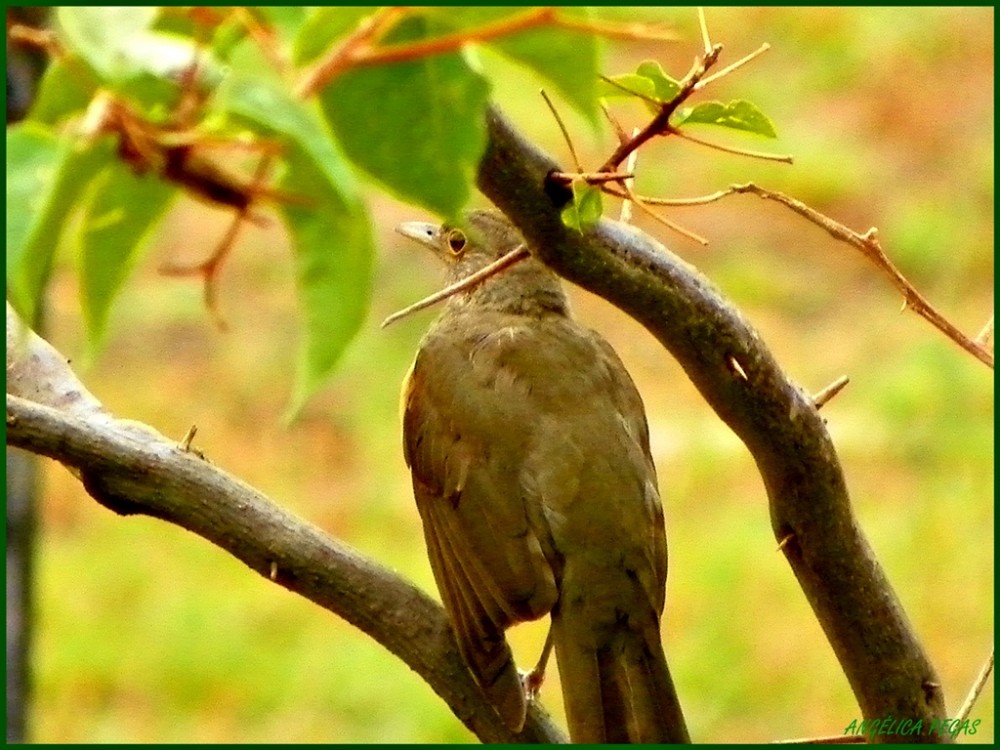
(455,241)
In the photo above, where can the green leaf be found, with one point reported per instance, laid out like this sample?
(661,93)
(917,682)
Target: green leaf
(33,156)
(334,254)
(322,28)
(585,210)
(120,212)
(629,84)
(568,59)
(286,20)
(46,176)
(738,115)
(418,127)
(665,88)
(65,89)
(101,35)
(649,83)
(330,228)
(142,63)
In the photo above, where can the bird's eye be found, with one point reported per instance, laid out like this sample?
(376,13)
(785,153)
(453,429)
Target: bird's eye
(456,241)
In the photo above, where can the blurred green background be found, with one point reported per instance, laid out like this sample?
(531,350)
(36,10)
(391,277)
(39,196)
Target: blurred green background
(146,633)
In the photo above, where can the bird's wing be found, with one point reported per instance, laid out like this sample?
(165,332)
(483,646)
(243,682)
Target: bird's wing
(488,563)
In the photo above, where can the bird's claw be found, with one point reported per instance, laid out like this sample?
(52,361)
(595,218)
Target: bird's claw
(532,683)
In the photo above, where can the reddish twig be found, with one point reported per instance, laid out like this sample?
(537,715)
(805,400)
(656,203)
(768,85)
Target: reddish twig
(871,248)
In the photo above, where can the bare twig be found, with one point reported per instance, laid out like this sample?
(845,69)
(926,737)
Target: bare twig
(784,158)
(664,221)
(651,201)
(209,268)
(871,248)
(625,216)
(617,126)
(836,739)
(730,68)
(976,689)
(593,178)
(703,25)
(562,128)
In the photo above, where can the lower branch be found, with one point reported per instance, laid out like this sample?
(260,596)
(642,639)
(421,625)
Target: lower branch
(133,470)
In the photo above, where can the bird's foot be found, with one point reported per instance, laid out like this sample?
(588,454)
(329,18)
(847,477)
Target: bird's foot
(532,683)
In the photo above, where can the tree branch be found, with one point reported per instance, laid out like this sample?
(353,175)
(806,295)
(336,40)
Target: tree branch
(132,469)
(810,509)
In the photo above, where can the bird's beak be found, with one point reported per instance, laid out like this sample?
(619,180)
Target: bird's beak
(421,231)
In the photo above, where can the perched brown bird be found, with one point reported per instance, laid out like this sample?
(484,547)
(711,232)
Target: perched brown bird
(529,450)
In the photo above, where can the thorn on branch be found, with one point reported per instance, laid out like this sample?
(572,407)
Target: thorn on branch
(985,336)
(185,444)
(619,130)
(736,367)
(825,395)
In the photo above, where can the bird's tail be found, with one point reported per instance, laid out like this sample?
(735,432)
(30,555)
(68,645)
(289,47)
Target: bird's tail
(616,684)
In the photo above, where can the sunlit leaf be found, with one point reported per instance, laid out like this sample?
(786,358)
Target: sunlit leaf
(418,127)
(120,212)
(629,84)
(566,58)
(738,115)
(101,34)
(322,28)
(46,176)
(286,20)
(665,88)
(330,227)
(585,210)
(65,89)
(648,83)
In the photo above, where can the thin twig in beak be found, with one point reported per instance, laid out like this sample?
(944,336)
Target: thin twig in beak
(519,253)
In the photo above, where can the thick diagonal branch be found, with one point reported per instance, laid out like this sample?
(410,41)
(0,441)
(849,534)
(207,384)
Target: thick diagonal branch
(736,374)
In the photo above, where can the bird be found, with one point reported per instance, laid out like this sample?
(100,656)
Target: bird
(528,448)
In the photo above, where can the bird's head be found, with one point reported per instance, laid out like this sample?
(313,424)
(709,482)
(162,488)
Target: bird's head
(484,237)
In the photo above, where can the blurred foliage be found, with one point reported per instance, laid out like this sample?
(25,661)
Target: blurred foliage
(163,84)
(147,634)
